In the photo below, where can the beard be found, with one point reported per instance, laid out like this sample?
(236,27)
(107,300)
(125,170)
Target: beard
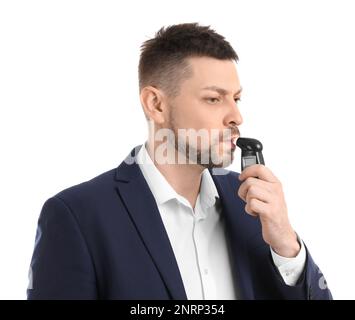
(213,153)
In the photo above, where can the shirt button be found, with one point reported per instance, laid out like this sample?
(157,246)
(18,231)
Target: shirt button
(205,271)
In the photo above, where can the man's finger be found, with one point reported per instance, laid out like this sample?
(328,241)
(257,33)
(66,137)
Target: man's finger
(255,185)
(256,207)
(258,171)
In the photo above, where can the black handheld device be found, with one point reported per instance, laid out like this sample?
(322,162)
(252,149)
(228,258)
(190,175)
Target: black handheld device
(251,152)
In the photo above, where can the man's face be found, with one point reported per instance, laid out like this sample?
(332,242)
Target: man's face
(207,103)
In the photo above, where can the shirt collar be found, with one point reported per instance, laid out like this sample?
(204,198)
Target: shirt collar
(163,191)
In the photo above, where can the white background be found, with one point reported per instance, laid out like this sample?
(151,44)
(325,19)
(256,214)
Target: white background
(69,109)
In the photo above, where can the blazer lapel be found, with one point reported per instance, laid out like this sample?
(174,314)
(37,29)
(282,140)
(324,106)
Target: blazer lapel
(141,206)
(237,231)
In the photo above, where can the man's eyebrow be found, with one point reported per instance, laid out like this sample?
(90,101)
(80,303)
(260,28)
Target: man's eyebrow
(221,90)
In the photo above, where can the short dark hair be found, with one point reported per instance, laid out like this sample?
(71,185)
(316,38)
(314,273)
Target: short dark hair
(163,60)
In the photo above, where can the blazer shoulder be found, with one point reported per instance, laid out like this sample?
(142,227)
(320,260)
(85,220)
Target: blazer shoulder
(90,189)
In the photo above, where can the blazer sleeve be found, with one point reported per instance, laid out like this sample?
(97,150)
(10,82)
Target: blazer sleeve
(310,286)
(61,265)
(317,288)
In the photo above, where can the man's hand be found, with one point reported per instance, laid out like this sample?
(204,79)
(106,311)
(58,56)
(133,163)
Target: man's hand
(265,199)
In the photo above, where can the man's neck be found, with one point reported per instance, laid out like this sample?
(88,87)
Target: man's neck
(185,179)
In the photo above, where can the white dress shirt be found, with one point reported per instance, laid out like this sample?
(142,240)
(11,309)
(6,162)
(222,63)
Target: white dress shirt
(197,237)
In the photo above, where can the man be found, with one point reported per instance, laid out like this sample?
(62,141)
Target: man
(170,222)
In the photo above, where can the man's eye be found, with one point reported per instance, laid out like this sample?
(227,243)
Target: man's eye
(237,100)
(212,100)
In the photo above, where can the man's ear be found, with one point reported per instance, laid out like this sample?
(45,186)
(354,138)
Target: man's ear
(153,105)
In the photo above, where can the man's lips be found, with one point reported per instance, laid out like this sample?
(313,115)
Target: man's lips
(233,145)
(232,142)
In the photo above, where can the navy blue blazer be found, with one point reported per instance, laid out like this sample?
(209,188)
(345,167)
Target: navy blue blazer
(105,239)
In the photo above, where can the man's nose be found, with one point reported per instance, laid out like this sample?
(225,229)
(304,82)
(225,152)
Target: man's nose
(233,117)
